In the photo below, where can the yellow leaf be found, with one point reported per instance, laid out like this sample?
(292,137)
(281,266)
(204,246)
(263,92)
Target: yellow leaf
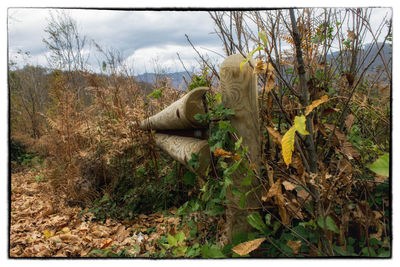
(247,247)
(288,139)
(288,145)
(294,245)
(48,233)
(315,104)
(300,124)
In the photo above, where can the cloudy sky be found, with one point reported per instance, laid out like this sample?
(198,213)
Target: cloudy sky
(145,38)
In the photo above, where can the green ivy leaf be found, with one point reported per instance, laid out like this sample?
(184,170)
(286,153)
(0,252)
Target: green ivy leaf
(232,169)
(330,224)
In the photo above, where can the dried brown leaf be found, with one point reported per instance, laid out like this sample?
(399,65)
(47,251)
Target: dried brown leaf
(380,178)
(276,136)
(106,243)
(294,245)
(315,104)
(288,185)
(247,247)
(349,121)
(273,191)
(351,34)
(219,152)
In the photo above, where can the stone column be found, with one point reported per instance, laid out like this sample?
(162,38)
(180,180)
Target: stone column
(239,92)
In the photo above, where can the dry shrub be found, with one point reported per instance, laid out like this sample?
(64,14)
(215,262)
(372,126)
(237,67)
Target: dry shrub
(96,147)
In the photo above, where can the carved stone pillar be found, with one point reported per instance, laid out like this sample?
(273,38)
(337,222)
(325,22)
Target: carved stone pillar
(239,92)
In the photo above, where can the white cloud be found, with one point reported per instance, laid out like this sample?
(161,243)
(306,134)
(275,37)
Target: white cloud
(164,58)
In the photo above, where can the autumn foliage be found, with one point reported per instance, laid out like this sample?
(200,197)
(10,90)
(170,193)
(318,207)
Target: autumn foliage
(87,182)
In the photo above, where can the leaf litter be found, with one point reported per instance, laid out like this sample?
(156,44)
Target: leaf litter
(42,226)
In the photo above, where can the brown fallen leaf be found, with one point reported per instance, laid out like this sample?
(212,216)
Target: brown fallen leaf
(106,243)
(247,247)
(69,237)
(380,178)
(288,185)
(122,234)
(273,191)
(294,245)
(349,121)
(276,136)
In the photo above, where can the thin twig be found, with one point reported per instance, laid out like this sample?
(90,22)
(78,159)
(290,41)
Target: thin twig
(205,62)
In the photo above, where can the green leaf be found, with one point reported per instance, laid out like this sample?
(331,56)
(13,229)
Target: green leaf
(236,191)
(263,38)
(238,143)
(232,169)
(172,241)
(246,181)
(189,178)
(242,201)
(381,165)
(256,221)
(157,93)
(180,237)
(211,252)
(330,224)
(268,219)
(218,97)
(384,254)
(249,56)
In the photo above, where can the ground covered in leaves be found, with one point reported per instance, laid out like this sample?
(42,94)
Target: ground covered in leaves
(44,226)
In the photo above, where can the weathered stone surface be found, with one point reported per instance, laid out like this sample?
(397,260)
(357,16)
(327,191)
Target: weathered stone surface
(181,148)
(239,92)
(180,114)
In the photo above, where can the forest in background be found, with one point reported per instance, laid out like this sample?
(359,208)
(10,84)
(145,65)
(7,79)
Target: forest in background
(87,182)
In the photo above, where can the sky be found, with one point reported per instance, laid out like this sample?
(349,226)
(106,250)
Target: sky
(149,40)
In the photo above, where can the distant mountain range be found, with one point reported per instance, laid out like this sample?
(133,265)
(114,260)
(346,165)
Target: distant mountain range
(378,63)
(177,80)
